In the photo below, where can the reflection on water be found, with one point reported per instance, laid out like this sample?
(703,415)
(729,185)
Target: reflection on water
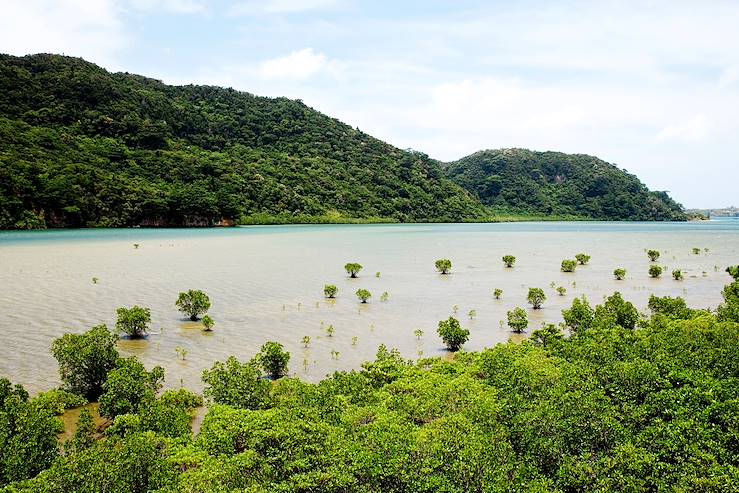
(266,283)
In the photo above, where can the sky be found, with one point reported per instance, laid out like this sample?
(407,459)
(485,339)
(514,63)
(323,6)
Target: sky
(650,86)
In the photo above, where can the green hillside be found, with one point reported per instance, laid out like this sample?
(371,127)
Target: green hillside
(80,146)
(83,147)
(526,181)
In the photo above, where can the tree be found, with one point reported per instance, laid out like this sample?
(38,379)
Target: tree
(547,336)
(85,360)
(497,293)
(193,303)
(329,291)
(352,268)
(452,333)
(569,265)
(129,387)
(579,317)
(653,255)
(561,290)
(330,330)
(133,321)
(696,251)
(733,271)
(677,274)
(616,310)
(208,323)
(509,260)
(274,359)
(84,435)
(306,341)
(619,274)
(517,320)
(655,271)
(582,258)
(536,297)
(418,333)
(363,295)
(443,265)
(236,384)
(384,296)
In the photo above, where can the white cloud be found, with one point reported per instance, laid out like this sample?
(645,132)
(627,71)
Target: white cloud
(692,129)
(281,6)
(299,64)
(92,30)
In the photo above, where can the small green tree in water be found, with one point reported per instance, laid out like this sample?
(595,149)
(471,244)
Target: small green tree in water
(352,268)
(517,320)
(274,359)
(582,258)
(363,295)
(193,303)
(509,260)
(208,323)
(133,321)
(452,333)
(655,271)
(653,255)
(443,265)
(619,274)
(536,297)
(329,290)
(569,265)
(497,293)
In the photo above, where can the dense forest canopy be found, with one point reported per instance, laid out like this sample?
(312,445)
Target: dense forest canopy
(605,402)
(80,146)
(557,183)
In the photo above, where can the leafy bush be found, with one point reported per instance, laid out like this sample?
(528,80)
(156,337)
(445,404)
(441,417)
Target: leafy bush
(452,333)
(509,260)
(329,291)
(352,268)
(193,303)
(655,271)
(517,319)
(569,265)
(363,295)
(582,258)
(443,265)
(619,274)
(274,359)
(536,297)
(133,321)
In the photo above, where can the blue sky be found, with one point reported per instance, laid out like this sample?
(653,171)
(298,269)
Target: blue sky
(651,86)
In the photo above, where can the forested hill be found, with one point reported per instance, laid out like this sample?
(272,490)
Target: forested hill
(556,183)
(80,146)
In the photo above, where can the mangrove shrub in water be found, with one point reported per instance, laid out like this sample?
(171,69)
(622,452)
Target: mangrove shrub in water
(582,258)
(655,271)
(452,333)
(363,295)
(619,274)
(274,359)
(443,265)
(569,265)
(352,268)
(509,260)
(653,255)
(133,321)
(677,274)
(536,297)
(193,303)
(517,320)
(208,323)
(329,290)
(579,317)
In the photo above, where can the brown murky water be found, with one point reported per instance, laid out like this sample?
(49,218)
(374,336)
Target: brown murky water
(266,283)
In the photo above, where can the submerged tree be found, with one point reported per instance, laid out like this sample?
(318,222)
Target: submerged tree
(733,271)
(509,260)
(617,310)
(655,271)
(274,359)
(85,360)
(363,295)
(208,323)
(536,297)
(443,265)
(653,255)
(329,291)
(452,333)
(547,336)
(352,268)
(236,384)
(517,319)
(619,274)
(582,258)
(497,293)
(133,321)
(677,274)
(193,303)
(579,317)
(129,387)
(561,290)
(569,265)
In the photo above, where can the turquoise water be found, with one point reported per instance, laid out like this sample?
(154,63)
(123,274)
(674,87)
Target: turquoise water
(266,284)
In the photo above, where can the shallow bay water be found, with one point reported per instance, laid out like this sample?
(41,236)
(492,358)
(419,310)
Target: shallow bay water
(266,283)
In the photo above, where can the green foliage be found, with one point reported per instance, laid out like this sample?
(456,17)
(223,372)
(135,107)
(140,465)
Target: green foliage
(582,258)
(655,271)
(443,265)
(548,335)
(452,333)
(677,274)
(579,317)
(517,319)
(733,271)
(619,274)
(133,321)
(129,387)
(569,265)
(193,303)
(509,260)
(85,434)
(671,307)
(385,296)
(57,401)
(84,147)
(85,360)
(519,180)
(236,384)
(329,291)
(536,297)
(653,255)
(696,251)
(28,435)
(274,359)
(208,323)
(352,268)
(497,293)
(617,311)
(561,290)
(363,295)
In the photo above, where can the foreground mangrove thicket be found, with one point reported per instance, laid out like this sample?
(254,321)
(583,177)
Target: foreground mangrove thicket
(608,401)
